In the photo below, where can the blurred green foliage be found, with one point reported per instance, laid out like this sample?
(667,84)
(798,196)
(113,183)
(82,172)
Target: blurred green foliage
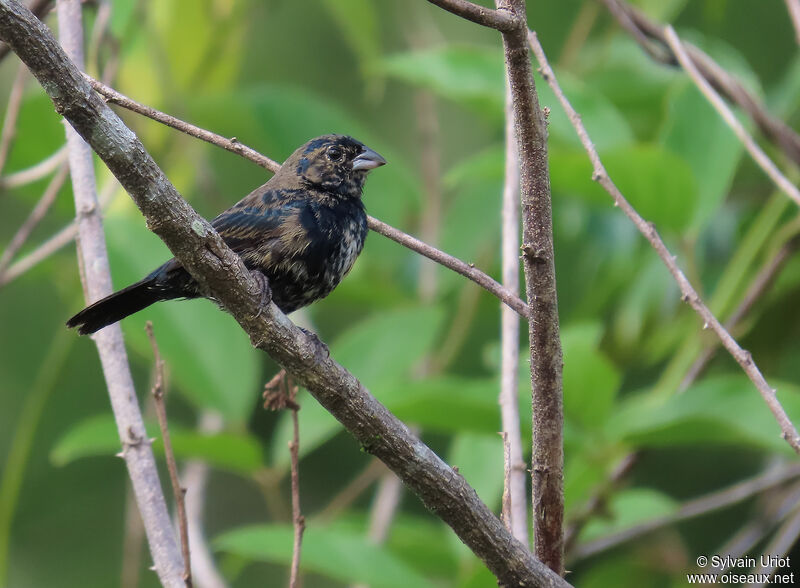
(274,73)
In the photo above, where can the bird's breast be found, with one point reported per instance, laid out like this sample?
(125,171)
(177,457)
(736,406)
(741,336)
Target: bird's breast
(332,239)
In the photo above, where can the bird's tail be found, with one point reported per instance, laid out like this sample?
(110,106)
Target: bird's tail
(117,306)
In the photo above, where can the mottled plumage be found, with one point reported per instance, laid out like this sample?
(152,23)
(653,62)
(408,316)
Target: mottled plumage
(303,230)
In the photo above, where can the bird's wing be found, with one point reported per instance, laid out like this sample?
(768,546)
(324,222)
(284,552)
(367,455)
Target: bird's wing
(269,225)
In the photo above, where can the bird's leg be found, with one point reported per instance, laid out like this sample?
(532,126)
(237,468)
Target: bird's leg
(317,342)
(263,285)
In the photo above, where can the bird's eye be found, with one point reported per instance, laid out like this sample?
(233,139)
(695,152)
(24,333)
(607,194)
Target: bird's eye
(335,154)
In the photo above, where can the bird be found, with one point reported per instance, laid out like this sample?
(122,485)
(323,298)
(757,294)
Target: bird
(302,231)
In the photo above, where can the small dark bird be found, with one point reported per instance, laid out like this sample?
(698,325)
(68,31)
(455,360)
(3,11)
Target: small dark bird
(303,230)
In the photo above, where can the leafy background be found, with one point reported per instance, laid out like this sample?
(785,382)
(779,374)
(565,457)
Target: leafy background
(274,73)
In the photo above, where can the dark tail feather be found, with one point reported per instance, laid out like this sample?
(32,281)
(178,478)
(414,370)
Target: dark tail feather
(116,307)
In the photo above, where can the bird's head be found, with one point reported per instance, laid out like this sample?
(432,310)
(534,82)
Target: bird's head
(334,163)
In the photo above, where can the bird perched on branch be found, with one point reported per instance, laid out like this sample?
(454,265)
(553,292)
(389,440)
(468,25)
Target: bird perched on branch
(302,230)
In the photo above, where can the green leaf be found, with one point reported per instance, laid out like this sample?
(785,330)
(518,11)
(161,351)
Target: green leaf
(467,74)
(447,404)
(94,436)
(628,508)
(479,458)
(658,183)
(695,131)
(606,125)
(725,410)
(237,452)
(385,347)
(121,16)
(97,436)
(423,540)
(485,166)
(337,554)
(590,379)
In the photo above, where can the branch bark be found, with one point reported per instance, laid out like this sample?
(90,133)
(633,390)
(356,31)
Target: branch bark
(136,450)
(222,274)
(516,485)
(540,286)
(501,19)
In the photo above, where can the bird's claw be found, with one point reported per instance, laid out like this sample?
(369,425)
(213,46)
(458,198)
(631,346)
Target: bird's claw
(317,342)
(263,286)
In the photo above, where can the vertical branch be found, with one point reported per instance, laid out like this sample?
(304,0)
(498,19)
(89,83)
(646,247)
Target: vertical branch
(12,113)
(281,393)
(509,383)
(179,492)
(298,520)
(195,475)
(505,511)
(136,451)
(540,285)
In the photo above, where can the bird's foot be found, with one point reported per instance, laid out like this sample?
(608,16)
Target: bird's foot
(263,286)
(321,348)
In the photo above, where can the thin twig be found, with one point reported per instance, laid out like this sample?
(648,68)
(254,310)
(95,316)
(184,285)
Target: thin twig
(281,393)
(179,493)
(650,36)
(195,475)
(505,509)
(509,335)
(688,293)
(715,501)
(793,6)
(758,155)
(760,283)
(136,451)
(538,263)
(58,241)
(34,218)
(233,145)
(465,269)
(502,20)
(35,172)
(62,238)
(12,113)
(774,506)
(781,543)
(368,476)
(578,34)
(298,520)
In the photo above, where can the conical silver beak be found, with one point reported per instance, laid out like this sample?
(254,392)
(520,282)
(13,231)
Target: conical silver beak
(367,160)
